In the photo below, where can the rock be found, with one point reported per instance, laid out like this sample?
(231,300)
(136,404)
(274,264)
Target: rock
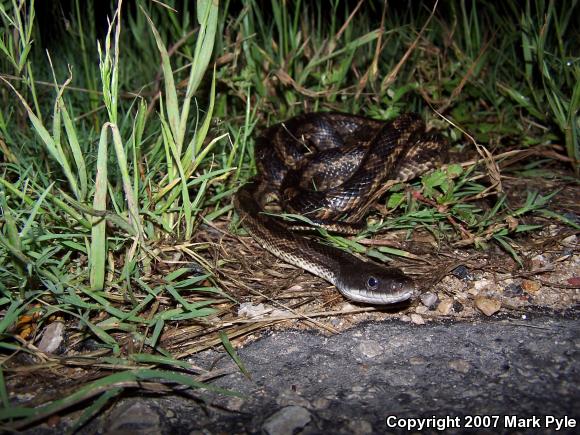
(259,311)
(421,309)
(487,306)
(52,337)
(444,306)
(417,360)
(429,299)
(473,291)
(295,288)
(133,417)
(233,404)
(513,290)
(370,348)
(462,272)
(568,252)
(417,319)
(347,306)
(481,284)
(248,309)
(336,322)
(570,241)
(459,365)
(512,223)
(457,306)
(530,286)
(276,312)
(287,421)
(539,261)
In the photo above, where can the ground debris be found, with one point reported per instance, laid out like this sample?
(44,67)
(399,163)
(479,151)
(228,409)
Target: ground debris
(487,306)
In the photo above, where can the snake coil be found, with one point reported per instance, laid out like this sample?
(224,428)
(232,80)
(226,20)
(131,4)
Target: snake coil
(330,167)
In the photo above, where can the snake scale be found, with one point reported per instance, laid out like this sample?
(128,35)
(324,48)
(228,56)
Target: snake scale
(330,168)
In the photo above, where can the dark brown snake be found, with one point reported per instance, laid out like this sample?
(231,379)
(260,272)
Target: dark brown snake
(329,168)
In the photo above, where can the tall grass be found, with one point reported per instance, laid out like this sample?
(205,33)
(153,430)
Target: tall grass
(86,200)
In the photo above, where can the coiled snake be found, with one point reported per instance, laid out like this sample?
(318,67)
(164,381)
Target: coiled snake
(329,167)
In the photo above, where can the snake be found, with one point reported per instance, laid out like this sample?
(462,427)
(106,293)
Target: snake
(330,168)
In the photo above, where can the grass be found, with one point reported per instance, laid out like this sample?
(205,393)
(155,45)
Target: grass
(109,169)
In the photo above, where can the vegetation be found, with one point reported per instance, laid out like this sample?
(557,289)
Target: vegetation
(109,169)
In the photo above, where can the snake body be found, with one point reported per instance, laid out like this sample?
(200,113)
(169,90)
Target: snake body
(329,167)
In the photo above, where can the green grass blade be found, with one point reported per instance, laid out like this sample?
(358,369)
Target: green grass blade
(98,249)
(32,415)
(233,354)
(172,104)
(132,203)
(94,408)
(53,148)
(34,212)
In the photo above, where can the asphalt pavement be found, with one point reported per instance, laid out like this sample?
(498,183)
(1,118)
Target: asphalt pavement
(506,375)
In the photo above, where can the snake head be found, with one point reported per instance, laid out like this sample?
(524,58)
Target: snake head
(371,283)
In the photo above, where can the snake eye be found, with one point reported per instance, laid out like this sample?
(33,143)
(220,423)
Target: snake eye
(372,283)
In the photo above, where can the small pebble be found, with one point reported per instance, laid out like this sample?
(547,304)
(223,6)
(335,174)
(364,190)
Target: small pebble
(428,299)
(512,223)
(287,421)
(459,365)
(336,322)
(232,404)
(445,306)
(248,309)
(462,272)
(570,241)
(417,319)
(457,306)
(370,348)
(421,309)
(347,306)
(295,288)
(567,252)
(133,417)
(195,268)
(538,261)
(481,284)
(52,337)
(487,306)
(513,290)
(530,286)
(417,360)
